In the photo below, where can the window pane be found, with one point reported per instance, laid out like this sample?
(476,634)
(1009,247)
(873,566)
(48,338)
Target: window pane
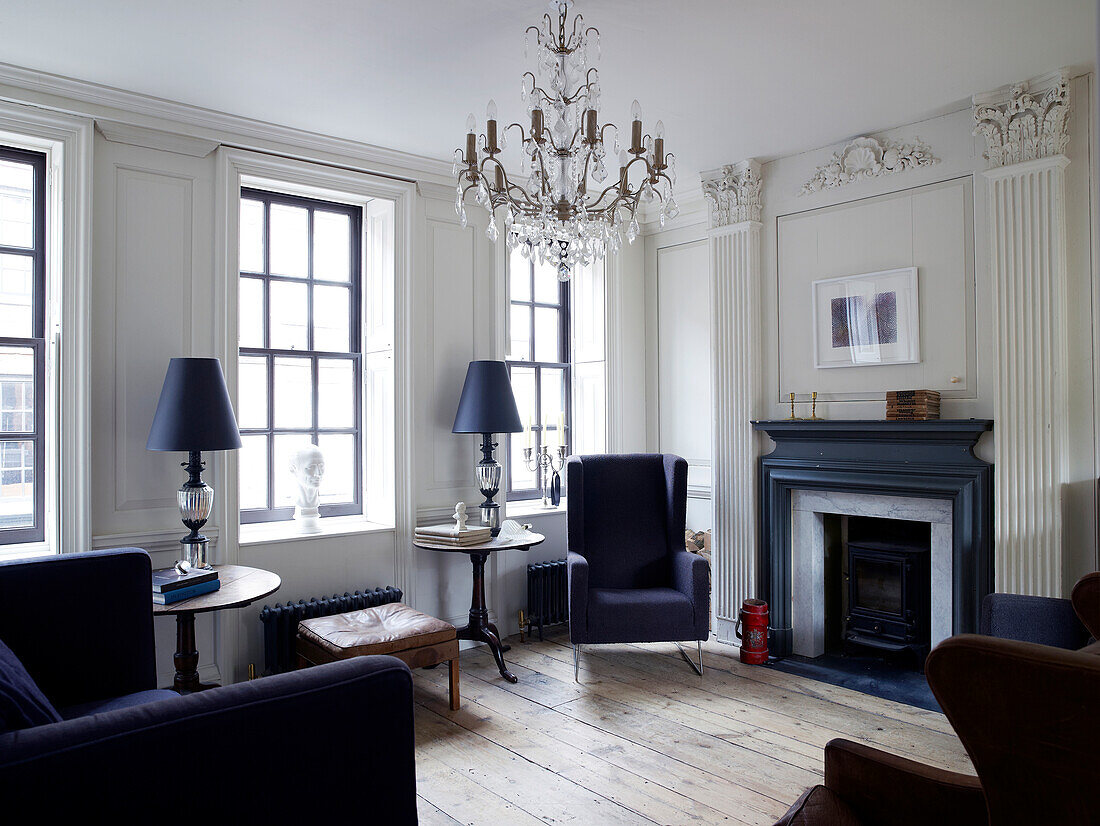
(289,315)
(252,461)
(16,390)
(336,393)
(331,318)
(519,271)
(553,404)
(251,312)
(293,392)
(16,296)
(547,289)
(519,333)
(338,484)
(16,484)
(252,236)
(331,246)
(252,392)
(522,477)
(286,487)
(289,241)
(16,204)
(547,346)
(523,388)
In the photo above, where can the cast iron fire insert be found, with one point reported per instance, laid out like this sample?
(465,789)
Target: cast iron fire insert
(888,595)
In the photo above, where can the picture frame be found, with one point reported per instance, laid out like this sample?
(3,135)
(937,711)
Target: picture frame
(867,320)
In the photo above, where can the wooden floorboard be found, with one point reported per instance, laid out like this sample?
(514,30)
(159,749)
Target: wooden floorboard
(641,739)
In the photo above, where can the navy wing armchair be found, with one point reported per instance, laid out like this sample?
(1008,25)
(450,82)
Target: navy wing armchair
(630,577)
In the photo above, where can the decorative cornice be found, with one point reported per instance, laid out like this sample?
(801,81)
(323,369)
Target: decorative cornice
(1025,121)
(248,132)
(868,157)
(128,133)
(734,193)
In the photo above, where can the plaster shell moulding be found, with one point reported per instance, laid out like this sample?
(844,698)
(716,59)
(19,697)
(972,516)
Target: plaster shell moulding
(868,158)
(734,193)
(1025,121)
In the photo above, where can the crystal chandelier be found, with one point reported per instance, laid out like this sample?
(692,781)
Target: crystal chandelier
(565,214)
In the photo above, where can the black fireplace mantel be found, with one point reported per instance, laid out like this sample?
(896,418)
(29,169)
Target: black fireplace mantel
(931,459)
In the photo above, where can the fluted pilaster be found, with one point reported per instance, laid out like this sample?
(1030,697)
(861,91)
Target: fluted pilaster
(735,198)
(1025,129)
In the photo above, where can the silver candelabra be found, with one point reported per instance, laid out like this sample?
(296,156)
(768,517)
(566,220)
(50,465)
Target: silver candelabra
(548,468)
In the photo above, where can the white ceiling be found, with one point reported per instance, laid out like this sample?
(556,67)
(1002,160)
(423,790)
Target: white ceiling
(730,78)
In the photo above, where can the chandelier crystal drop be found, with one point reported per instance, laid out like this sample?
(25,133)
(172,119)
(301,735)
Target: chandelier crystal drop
(565,214)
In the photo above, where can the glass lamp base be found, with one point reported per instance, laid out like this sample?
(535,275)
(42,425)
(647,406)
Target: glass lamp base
(195,554)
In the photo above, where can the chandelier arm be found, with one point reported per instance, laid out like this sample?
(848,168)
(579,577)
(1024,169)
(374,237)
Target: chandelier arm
(578,20)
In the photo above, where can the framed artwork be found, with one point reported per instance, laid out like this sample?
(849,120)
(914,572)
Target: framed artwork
(867,320)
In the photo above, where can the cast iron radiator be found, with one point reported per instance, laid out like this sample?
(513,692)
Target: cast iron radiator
(281,622)
(547,594)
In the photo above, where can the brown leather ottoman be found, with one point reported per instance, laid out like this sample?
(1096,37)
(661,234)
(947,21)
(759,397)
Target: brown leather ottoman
(396,629)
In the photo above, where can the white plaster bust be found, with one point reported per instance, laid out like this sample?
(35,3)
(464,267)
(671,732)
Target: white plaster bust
(460,517)
(308,468)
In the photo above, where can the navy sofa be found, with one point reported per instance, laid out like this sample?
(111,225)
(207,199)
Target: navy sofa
(630,577)
(1040,620)
(336,739)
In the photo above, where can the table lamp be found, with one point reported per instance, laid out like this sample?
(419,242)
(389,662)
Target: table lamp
(487,406)
(194,414)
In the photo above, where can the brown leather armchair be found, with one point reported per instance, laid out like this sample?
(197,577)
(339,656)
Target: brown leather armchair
(1029,717)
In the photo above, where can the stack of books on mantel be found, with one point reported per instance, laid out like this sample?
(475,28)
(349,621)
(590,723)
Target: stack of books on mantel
(450,535)
(912,405)
(171,585)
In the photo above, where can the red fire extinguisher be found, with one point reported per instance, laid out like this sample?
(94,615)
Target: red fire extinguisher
(754,644)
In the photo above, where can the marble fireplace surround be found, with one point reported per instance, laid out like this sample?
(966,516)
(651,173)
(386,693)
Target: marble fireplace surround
(808,511)
(923,466)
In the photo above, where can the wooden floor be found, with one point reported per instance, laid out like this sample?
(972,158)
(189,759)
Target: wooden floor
(641,739)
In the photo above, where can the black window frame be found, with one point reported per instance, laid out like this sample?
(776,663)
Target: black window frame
(355,353)
(565,365)
(37,343)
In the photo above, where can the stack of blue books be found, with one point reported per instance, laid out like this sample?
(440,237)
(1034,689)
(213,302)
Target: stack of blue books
(170,585)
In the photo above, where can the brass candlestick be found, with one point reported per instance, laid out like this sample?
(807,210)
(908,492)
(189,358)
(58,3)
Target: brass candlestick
(792,417)
(813,408)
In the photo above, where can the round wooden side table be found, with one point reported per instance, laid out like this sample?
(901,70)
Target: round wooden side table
(240,586)
(479,629)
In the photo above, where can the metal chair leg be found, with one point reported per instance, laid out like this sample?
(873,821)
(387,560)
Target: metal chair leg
(576,666)
(698,669)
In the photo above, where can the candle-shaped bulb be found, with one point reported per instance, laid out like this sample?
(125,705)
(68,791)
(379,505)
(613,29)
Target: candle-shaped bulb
(659,129)
(471,124)
(491,110)
(635,110)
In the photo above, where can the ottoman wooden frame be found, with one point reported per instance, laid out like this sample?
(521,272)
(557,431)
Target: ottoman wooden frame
(395,629)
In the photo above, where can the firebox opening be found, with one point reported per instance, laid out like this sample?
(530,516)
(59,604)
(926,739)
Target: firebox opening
(878,588)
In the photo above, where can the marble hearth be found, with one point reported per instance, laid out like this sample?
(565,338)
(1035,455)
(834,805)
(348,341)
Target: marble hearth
(809,509)
(917,471)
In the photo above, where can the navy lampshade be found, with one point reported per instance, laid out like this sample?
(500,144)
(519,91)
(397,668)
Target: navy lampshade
(194,412)
(487,404)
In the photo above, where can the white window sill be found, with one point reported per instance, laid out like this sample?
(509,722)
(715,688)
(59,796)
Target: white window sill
(265,533)
(523,508)
(28,550)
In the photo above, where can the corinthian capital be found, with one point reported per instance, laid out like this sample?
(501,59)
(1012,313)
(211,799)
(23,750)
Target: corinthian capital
(734,193)
(1024,121)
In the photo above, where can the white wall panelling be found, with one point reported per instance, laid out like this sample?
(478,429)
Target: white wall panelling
(1025,128)
(684,363)
(928,227)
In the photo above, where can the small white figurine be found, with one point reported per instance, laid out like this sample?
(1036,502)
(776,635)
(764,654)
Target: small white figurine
(308,467)
(460,517)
